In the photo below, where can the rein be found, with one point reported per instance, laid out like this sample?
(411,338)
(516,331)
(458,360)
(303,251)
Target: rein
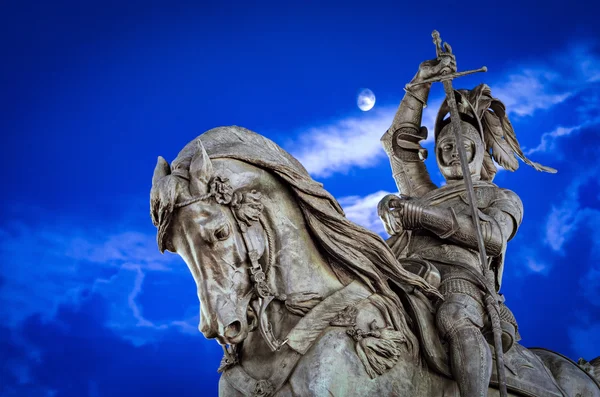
(259,280)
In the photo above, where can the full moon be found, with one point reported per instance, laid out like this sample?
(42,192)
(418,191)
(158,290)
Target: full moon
(365,100)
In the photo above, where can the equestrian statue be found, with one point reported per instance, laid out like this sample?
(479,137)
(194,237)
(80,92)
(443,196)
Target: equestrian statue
(305,302)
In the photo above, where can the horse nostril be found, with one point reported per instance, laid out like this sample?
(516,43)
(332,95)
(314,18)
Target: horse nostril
(233,330)
(222,233)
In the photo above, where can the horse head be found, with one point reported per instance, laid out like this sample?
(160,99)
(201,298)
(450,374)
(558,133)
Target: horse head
(192,208)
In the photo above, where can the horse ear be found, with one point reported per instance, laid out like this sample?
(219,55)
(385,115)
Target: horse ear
(161,170)
(201,171)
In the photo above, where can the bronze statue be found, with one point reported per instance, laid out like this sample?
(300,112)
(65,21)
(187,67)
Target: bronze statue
(307,303)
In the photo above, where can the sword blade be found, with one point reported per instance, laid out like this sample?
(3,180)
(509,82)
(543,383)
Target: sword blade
(496,326)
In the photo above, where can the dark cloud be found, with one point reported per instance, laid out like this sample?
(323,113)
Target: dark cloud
(76,355)
(556,307)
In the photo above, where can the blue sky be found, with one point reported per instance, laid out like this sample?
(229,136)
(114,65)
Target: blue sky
(92,93)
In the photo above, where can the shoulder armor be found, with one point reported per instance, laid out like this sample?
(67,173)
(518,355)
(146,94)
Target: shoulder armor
(509,202)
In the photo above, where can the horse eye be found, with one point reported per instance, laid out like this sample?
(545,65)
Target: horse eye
(223,233)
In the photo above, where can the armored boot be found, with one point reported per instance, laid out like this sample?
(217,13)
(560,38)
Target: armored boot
(460,320)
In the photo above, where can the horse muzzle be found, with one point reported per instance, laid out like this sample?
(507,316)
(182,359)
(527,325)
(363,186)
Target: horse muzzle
(229,325)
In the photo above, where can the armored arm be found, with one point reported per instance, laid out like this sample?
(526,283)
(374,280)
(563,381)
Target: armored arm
(460,229)
(401,143)
(499,222)
(401,140)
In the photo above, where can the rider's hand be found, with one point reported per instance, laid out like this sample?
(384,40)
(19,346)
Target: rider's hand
(444,64)
(387,209)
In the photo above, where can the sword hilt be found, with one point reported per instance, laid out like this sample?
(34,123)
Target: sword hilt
(437,40)
(439,48)
(444,50)
(445,77)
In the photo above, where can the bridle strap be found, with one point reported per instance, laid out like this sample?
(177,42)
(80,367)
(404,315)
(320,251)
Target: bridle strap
(262,289)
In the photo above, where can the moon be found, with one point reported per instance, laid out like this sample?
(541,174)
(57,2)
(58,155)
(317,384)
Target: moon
(365,100)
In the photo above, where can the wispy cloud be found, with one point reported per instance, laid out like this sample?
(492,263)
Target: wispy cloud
(535,264)
(46,266)
(351,142)
(530,90)
(363,210)
(589,114)
(548,141)
(127,317)
(542,85)
(566,217)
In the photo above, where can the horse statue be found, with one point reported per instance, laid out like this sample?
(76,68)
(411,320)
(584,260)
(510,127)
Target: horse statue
(304,301)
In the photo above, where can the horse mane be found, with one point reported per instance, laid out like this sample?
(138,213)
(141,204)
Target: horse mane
(360,252)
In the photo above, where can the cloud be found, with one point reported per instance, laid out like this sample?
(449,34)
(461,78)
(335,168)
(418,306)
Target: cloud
(547,143)
(78,355)
(585,62)
(363,210)
(536,265)
(530,90)
(589,116)
(350,142)
(566,217)
(546,84)
(127,316)
(123,247)
(50,265)
(346,143)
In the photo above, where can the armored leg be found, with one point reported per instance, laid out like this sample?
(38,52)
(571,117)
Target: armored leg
(460,321)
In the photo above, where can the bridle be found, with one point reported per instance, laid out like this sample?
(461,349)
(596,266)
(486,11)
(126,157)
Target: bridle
(306,331)
(223,193)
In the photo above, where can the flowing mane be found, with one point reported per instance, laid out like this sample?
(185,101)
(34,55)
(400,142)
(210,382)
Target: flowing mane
(355,249)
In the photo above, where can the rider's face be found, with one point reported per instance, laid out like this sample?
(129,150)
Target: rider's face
(449,158)
(449,150)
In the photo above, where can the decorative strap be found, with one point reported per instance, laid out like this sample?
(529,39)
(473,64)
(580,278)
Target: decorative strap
(308,329)
(300,339)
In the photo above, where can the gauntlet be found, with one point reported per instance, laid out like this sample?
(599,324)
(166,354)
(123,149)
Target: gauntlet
(445,224)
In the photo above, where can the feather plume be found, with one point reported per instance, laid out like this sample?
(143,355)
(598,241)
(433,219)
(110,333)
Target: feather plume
(511,139)
(489,170)
(494,140)
(500,138)
(480,97)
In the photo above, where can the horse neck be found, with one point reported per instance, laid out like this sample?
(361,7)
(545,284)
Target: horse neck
(299,265)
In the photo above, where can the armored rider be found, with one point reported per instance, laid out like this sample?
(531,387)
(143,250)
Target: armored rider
(431,227)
